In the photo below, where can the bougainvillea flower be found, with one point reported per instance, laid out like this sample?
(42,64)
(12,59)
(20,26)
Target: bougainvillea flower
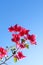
(21,45)
(23,32)
(20,55)
(16,37)
(26,31)
(11,29)
(3,52)
(32,38)
(17,28)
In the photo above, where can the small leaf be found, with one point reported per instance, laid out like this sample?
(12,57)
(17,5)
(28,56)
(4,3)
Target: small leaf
(22,40)
(15,59)
(27,46)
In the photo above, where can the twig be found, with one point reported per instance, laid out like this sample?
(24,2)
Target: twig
(8,58)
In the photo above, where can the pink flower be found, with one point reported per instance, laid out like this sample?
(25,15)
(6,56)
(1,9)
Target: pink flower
(22,46)
(15,38)
(17,28)
(11,29)
(32,38)
(23,32)
(20,55)
(3,52)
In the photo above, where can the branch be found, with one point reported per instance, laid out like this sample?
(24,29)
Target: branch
(8,58)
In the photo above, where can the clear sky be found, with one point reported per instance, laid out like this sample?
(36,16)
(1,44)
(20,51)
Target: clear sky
(29,14)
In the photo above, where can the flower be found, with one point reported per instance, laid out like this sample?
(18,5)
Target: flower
(17,28)
(21,45)
(23,32)
(3,52)
(20,55)
(15,38)
(11,29)
(32,38)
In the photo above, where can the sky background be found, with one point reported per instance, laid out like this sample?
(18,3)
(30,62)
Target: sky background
(29,14)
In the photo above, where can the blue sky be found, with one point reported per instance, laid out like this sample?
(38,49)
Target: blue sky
(29,14)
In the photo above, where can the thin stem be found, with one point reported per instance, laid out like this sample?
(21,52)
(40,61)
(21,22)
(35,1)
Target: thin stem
(4,63)
(8,58)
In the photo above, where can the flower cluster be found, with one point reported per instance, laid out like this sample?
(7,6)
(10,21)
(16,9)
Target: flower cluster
(19,55)
(20,33)
(20,36)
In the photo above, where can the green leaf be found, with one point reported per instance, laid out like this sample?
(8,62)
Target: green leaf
(27,46)
(22,40)
(15,59)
